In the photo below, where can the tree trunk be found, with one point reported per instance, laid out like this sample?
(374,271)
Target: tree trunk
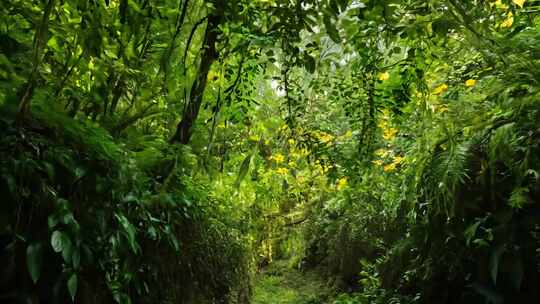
(208,56)
(39,42)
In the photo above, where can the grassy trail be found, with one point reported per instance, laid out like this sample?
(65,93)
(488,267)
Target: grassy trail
(280,284)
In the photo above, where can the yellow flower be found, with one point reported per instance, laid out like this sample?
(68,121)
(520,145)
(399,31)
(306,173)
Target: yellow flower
(341,183)
(390,133)
(390,167)
(384,76)
(397,160)
(381,152)
(304,152)
(440,89)
(470,82)
(519,3)
(325,137)
(498,4)
(321,168)
(441,108)
(282,171)
(509,20)
(291,142)
(378,162)
(278,158)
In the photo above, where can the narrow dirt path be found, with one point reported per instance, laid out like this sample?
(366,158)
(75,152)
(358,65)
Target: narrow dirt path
(280,284)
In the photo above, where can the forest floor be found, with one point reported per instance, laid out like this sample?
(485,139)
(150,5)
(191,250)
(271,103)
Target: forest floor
(280,284)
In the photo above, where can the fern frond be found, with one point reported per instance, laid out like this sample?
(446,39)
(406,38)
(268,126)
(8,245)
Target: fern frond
(446,172)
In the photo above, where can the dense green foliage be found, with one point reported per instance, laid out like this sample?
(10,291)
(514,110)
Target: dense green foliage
(270,151)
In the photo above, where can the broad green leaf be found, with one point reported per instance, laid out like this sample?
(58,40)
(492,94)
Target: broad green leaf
(72,286)
(58,240)
(67,250)
(470,232)
(309,63)
(331,29)
(244,168)
(130,231)
(34,258)
(53,44)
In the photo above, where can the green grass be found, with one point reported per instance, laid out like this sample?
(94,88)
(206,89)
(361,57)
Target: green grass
(279,284)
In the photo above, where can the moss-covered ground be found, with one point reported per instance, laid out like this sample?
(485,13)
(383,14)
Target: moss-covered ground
(280,284)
